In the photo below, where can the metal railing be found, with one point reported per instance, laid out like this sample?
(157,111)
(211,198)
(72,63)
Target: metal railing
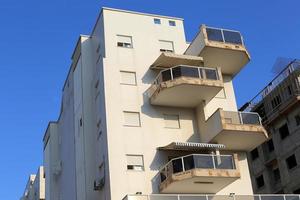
(196,161)
(289,69)
(187,71)
(236,117)
(224,35)
(212,197)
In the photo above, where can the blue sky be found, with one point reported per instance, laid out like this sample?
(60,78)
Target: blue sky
(38,38)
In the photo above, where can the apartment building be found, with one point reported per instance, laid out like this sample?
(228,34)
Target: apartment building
(275,165)
(35,187)
(147,115)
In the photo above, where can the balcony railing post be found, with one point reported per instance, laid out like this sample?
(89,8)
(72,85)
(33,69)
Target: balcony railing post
(199,73)
(214,163)
(241,118)
(178,197)
(171,71)
(183,168)
(206,197)
(223,35)
(284,198)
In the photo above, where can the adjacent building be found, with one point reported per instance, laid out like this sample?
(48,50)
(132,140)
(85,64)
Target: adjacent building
(275,165)
(35,187)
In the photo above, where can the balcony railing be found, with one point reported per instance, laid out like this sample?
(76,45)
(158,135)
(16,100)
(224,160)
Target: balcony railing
(196,161)
(289,69)
(212,197)
(224,35)
(187,71)
(246,118)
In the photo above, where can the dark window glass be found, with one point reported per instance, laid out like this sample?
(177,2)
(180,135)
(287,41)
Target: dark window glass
(157,21)
(211,74)
(232,37)
(297,119)
(189,162)
(177,165)
(166,75)
(254,154)
(172,23)
(276,175)
(276,101)
(270,145)
(291,162)
(260,182)
(284,131)
(296,191)
(214,34)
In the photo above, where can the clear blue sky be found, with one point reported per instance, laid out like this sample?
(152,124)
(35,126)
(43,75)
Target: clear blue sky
(38,37)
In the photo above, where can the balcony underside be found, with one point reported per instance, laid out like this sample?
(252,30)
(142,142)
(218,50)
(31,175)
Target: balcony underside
(231,58)
(199,181)
(242,137)
(185,92)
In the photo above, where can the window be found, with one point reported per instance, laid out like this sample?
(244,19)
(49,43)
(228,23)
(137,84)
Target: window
(270,145)
(166,46)
(128,78)
(124,41)
(260,182)
(172,121)
(254,154)
(276,101)
(135,162)
(172,23)
(291,162)
(276,175)
(131,118)
(296,191)
(157,21)
(297,119)
(284,131)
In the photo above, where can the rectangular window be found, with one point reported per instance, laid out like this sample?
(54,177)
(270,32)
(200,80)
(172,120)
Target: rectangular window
(128,78)
(270,145)
(171,121)
(296,191)
(276,101)
(131,118)
(124,41)
(276,175)
(260,182)
(157,21)
(172,23)
(297,119)
(254,154)
(284,131)
(166,46)
(135,162)
(291,162)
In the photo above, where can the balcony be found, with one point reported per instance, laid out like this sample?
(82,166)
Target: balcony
(199,173)
(212,197)
(220,47)
(185,86)
(236,130)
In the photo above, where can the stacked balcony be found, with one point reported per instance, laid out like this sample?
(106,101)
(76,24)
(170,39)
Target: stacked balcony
(220,47)
(236,130)
(185,86)
(198,173)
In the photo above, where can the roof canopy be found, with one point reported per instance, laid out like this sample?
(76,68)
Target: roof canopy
(167,60)
(188,146)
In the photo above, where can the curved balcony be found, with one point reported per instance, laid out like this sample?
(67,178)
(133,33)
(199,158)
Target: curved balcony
(199,173)
(236,130)
(185,86)
(220,47)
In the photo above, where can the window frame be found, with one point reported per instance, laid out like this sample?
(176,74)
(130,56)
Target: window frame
(172,23)
(142,167)
(178,120)
(251,154)
(283,135)
(124,46)
(132,72)
(256,181)
(157,21)
(288,165)
(128,125)
(166,50)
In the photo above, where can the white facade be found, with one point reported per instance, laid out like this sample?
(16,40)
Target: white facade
(105,142)
(35,187)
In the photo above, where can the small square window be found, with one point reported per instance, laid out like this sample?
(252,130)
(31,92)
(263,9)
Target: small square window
(284,131)
(131,118)
(172,23)
(157,21)
(128,78)
(254,154)
(172,121)
(135,162)
(291,162)
(260,182)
